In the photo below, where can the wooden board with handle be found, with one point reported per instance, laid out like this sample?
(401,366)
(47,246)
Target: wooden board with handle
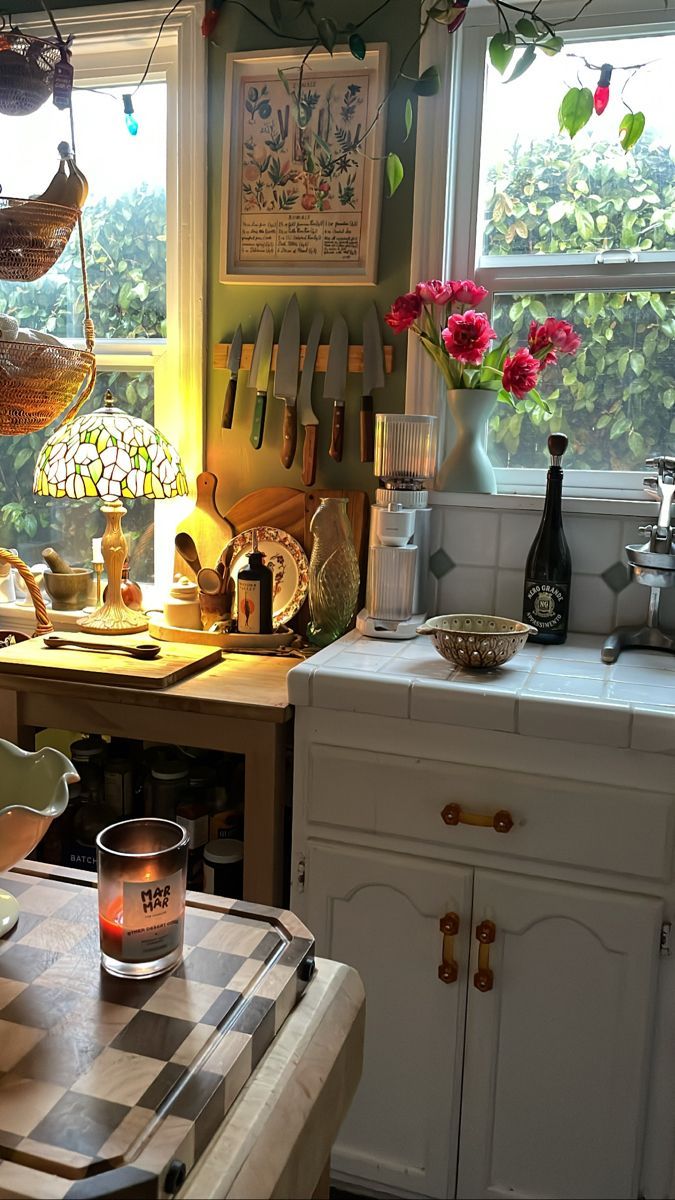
(175,661)
(208,528)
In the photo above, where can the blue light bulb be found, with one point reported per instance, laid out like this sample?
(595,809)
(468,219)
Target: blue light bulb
(132,124)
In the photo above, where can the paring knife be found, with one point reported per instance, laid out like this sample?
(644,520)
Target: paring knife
(336,382)
(308,417)
(258,376)
(286,377)
(233,364)
(373,377)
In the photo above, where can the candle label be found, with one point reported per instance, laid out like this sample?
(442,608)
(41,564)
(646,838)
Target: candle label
(152,919)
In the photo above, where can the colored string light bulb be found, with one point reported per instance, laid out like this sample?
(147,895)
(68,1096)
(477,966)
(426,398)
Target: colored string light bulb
(132,123)
(601,96)
(457,14)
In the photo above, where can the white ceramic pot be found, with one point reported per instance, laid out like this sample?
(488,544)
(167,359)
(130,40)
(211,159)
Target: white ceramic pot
(467,467)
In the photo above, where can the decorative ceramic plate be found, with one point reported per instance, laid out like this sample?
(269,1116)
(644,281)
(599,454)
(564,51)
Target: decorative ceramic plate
(288,563)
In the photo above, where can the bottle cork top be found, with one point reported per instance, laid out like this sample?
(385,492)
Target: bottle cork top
(557,445)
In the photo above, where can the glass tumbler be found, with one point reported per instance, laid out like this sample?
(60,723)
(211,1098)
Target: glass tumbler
(142,871)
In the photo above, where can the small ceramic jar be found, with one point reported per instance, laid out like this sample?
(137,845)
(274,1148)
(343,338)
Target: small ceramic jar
(181,609)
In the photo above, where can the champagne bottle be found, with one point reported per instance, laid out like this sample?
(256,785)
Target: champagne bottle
(549,565)
(254,594)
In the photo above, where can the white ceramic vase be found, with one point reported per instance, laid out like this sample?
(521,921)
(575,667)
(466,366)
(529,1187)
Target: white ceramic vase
(467,467)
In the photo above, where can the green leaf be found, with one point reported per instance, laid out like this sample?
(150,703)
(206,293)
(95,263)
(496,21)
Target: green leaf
(394,173)
(429,83)
(22,457)
(575,110)
(282,77)
(408,118)
(501,51)
(658,306)
(357,46)
(584,223)
(636,443)
(637,362)
(527,29)
(561,208)
(327,30)
(631,129)
(524,63)
(553,46)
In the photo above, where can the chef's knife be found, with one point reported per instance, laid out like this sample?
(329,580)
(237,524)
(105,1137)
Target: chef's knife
(336,382)
(308,417)
(373,377)
(286,377)
(233,364)
(259,374)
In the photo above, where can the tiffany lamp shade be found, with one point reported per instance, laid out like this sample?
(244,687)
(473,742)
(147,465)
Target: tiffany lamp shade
(114,456)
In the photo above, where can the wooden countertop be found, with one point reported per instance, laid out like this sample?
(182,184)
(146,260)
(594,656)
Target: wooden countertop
(243,686)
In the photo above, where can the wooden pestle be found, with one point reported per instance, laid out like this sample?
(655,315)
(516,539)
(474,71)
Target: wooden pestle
(56,564)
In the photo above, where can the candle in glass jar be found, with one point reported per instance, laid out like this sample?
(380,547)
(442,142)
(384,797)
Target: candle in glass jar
(111,929)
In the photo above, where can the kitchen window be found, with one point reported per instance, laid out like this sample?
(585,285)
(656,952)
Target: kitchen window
(145,283)
(574,229)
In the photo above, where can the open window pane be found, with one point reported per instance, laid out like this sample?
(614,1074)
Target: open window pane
(542,193)
(29,523)
(615,400)
(124,217)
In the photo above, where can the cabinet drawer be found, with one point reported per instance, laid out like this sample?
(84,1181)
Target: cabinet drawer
(555,820)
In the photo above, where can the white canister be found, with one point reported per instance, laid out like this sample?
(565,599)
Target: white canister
(181,609)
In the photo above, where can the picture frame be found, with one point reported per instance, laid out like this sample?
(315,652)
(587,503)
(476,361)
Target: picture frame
(298,205)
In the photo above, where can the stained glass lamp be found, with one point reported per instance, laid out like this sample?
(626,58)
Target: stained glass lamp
(114,456)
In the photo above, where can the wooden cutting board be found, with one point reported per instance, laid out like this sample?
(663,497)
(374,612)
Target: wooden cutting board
(208,528)
(175,661)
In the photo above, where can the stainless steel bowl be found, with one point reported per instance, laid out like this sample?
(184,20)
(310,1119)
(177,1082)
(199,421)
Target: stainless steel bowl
(476,642)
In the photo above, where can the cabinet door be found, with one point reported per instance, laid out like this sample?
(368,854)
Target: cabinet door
(557,1052)
(380,913)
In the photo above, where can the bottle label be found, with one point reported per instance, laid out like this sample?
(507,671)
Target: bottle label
(152,919)
(546,605)
(248,620)
(81,856)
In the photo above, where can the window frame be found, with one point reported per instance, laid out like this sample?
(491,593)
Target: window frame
(112,45)
(446,197)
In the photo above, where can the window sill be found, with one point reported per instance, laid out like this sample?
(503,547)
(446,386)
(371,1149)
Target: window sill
(512,502)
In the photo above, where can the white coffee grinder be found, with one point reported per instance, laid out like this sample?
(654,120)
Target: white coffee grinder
(398,556)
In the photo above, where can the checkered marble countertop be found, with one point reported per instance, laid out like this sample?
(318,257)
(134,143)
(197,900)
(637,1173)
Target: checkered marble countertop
(564,692)
(108,1080)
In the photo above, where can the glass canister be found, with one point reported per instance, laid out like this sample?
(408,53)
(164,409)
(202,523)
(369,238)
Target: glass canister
(142,870)
(333,573)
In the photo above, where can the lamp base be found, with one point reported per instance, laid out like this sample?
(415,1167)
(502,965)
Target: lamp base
(114,616)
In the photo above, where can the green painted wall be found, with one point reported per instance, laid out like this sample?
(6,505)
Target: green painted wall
(240,468)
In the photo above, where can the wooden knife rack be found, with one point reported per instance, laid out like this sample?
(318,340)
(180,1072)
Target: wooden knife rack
(354,365)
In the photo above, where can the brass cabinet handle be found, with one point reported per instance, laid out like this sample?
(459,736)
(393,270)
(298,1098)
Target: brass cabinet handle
(485,935)
(449,926)
(501,821)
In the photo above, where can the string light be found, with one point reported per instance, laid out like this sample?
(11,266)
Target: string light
(132,123)
(601,96)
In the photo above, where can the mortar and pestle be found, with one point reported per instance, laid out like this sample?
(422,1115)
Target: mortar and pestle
(67,587)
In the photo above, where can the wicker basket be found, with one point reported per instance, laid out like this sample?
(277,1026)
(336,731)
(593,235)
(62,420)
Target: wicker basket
(43,624)
(38,382)
(33,236)
(26,72)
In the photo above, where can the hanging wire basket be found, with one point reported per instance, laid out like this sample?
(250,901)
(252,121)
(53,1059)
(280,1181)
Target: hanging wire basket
(26,71)
(33,236)
(38,381)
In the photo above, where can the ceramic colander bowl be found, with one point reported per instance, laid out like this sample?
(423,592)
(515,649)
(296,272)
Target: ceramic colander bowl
(33,790)
(476,642)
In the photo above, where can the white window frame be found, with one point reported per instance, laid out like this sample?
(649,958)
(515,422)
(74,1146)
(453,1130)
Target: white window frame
(112,44)
(447,171)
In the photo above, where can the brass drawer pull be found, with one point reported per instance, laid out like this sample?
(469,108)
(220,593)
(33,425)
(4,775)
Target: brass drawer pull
(485,935)
(449,926)
(501,821)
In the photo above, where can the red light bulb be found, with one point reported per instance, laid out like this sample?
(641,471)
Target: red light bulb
(601,96)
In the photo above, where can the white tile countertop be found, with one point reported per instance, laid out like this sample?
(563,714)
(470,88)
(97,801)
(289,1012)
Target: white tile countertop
(563,692)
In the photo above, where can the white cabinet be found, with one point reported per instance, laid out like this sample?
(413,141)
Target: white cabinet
(363,908)
(556,1058)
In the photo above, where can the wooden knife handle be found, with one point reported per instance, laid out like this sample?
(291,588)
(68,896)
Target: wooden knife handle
(367,430)
(309,455)
(337,432)
(228,406)
(258,426)
(290,435)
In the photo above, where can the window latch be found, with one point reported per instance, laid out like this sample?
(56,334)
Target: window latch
(613,258)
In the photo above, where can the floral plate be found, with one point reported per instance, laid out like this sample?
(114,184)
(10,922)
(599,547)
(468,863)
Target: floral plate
(289,565)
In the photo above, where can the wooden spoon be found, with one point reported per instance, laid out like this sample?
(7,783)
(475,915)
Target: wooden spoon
(188,551)
(209,581)
(144,650)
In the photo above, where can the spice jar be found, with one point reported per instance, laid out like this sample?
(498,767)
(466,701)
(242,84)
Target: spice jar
(194,818)
(224,868)
(168,783)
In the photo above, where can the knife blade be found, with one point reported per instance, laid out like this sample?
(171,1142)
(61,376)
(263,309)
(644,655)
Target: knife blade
(308,417)
(233,364)
(336,382)
(373,377)
(286,378)
(258,376)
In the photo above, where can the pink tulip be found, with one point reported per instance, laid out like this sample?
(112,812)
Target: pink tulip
(521,372)
(434,291)
(465,291)
(468,336)
(404,312)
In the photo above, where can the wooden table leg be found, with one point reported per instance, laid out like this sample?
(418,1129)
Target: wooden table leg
(322,1190)
(11,727)
(264,814)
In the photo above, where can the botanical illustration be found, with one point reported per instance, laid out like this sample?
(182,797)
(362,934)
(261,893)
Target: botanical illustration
(302,181)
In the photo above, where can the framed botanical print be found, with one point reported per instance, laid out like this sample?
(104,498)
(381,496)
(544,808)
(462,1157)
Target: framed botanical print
(302,187)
